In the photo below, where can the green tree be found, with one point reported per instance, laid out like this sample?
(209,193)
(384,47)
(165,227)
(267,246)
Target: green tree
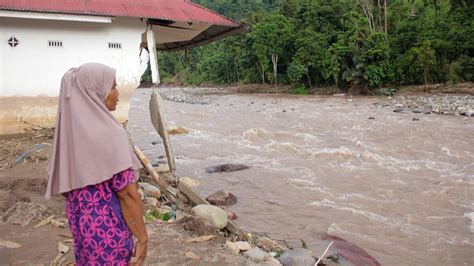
(269,38)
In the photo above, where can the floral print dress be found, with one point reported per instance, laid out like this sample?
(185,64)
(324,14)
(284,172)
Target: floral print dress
(100,234)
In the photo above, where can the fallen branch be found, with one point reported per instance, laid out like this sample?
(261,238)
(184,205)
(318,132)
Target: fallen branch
(35,125)
(149,168)
(324,254)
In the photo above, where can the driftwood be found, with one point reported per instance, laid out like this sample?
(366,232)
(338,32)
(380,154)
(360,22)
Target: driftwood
(165,187)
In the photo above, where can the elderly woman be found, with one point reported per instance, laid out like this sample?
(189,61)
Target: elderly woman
(93,167)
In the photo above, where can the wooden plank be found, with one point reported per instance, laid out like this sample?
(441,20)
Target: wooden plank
(157,116)
(192,195)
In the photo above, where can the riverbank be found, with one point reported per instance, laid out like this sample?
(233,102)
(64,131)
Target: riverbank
(23,207)
(437,99)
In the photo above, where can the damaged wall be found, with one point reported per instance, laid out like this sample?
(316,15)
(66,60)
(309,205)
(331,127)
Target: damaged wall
(31,72)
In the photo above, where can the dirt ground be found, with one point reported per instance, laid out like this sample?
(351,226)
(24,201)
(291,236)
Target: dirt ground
(22,206)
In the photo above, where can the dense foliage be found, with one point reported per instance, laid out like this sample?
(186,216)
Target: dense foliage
(345,43)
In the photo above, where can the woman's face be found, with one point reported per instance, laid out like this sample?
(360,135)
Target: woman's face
(112,99)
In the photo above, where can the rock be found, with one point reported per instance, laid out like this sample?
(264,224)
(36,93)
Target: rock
(152,202)
(222,198)
(398,110)
(267,262)
(427,110)
(150,190)
(179,215)
(232,247)
(189,181)
(191,255)
(156,142)
(272,262)
(173,130)
(226,168)
(467,113)
(232,216)
(196,225)
(162,168)
(371,118)
(397,106)
(415,119)
(243,245)
(62,248)
(417,111)
(256,255)
(211,214)
(297,257)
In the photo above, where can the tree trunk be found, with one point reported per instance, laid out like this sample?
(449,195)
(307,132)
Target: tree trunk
(385,16)
(365,5)
(379,17)
(236,70)
(309,80)
(275,66)
(262,73)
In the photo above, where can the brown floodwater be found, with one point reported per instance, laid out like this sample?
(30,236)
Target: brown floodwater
(400,189)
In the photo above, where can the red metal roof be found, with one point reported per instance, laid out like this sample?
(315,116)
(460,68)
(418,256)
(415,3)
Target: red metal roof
(176,10)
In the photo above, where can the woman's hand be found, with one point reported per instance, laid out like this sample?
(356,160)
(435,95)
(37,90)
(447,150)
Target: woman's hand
(139,254)
(131,205)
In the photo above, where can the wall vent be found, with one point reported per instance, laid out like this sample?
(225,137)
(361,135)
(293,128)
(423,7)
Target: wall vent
(55,43)
(115,45)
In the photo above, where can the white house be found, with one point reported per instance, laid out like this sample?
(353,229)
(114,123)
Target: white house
(41,40)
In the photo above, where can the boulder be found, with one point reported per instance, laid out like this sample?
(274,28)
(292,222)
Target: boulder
(232,247)
(226,168)
(297,257)
(256,255)
(222,198)
(243,245)
(268,262)
(211,214)
(150,190)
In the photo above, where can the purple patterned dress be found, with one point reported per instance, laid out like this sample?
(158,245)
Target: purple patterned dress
(101,236)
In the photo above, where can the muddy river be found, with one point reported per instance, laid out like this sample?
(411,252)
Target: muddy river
(400,188)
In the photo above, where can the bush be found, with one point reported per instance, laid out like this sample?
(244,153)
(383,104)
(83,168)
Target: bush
(299,89)
(389,91)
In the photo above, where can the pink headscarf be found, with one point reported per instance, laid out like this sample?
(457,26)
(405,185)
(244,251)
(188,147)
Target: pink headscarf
(90,146)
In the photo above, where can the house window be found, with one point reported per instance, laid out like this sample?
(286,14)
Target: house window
(115,45)
(13,42)
(55,43)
